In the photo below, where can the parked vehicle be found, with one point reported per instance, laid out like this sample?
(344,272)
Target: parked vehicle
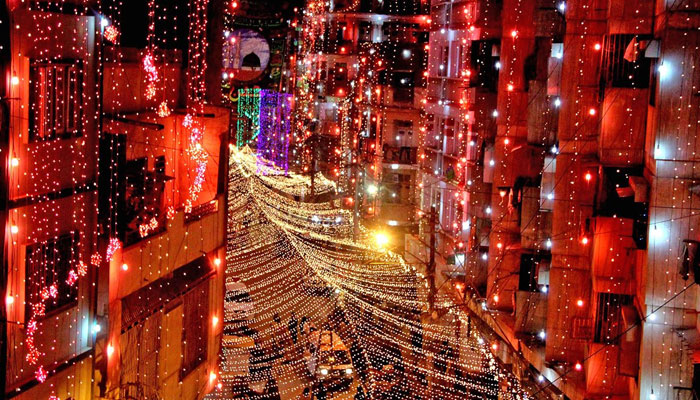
(328,360)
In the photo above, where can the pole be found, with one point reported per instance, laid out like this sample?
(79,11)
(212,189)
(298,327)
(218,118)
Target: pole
(431,260)
(313,164)
(5,65)
(356,204)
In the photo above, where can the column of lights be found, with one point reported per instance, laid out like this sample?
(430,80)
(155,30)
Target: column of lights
(36,182)
(509,86)
(674,94)
(389,281)
(273,140)
(78,271)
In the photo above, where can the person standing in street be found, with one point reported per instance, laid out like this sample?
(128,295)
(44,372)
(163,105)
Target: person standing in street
(293,326)
(320,392)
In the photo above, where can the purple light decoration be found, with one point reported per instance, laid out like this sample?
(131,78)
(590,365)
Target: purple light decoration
(275,129)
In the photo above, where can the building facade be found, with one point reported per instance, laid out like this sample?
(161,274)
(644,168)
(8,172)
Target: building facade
(113,254)
(360,97)
(559,163)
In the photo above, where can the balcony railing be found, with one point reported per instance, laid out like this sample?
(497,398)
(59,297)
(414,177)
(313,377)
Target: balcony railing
(201,211)
(401,155)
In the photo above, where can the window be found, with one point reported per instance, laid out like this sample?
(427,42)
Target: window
(443,61)
(48,264)
(194,328)
(55,96)
(403,127)
(341,72)
(403,86)
(530,266)
(609,322)
(365,32)
(143,199)
(615,198)
(484,58)
(624,63)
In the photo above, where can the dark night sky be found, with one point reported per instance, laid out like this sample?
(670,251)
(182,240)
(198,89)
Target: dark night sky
(134,18)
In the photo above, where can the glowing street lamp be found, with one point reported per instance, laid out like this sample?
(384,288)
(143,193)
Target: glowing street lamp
(381,239)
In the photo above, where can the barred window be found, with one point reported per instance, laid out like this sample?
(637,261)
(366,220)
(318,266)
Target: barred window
(609,322)
(48,264)
(55,96)
(194,328)
(624,63)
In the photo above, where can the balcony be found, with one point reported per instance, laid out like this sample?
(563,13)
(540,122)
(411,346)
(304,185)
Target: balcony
(400,155)
(530,312)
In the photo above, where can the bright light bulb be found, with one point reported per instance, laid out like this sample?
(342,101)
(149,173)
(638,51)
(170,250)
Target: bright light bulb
(14,80)
(110,350)
(664,70)
(381,239)
(14,229)
(9,300)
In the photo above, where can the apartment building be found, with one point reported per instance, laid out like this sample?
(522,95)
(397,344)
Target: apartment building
(166,281)
(113,259)
(50,130)
(558,158)
(365,72)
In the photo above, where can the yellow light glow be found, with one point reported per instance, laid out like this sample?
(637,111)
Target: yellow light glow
(381,239)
